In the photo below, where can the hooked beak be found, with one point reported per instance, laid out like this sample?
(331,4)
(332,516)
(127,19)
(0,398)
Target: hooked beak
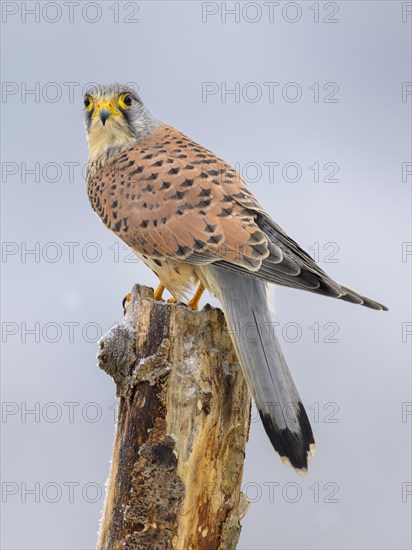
(104,115)
(105,110)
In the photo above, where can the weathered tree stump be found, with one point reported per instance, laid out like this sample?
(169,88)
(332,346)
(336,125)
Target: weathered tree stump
(183,423)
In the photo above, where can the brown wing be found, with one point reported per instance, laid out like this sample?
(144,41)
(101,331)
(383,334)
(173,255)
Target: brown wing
(296,269)
(171,198)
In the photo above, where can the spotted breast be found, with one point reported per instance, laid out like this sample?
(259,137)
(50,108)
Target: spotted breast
(174,202)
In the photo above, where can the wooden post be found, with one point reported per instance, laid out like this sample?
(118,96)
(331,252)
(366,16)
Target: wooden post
(183,423)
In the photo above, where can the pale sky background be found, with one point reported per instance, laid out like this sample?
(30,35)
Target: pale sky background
(350,123)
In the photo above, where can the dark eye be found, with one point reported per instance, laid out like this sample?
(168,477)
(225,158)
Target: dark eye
(127,99)
(87,101)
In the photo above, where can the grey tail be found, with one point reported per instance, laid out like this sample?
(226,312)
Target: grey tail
(245,304)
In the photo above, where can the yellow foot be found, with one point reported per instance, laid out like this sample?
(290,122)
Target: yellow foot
(194,302)
(171,300)
(158,293)
(126,299)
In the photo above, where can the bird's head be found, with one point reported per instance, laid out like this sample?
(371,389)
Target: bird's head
(115,117)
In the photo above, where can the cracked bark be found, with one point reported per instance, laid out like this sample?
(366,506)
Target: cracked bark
(183,423)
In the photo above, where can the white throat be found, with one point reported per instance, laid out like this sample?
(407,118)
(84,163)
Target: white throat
(101,139)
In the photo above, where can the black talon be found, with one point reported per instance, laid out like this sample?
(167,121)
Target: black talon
(125,299)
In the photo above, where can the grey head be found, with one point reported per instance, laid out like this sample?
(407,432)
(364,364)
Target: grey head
(115,117)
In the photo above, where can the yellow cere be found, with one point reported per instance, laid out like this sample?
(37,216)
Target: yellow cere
(109,106)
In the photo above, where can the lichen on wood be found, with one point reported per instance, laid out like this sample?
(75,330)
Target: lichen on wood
(183,423)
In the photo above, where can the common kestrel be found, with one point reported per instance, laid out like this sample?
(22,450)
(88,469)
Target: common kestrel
(191,218)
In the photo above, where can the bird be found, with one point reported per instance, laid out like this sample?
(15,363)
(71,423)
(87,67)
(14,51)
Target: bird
(193,221)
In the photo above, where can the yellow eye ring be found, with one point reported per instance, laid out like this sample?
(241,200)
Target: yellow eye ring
(125,101)
(88,103)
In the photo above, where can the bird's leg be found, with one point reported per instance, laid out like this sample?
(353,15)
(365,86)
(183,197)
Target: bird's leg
(194,302)
(158,293)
